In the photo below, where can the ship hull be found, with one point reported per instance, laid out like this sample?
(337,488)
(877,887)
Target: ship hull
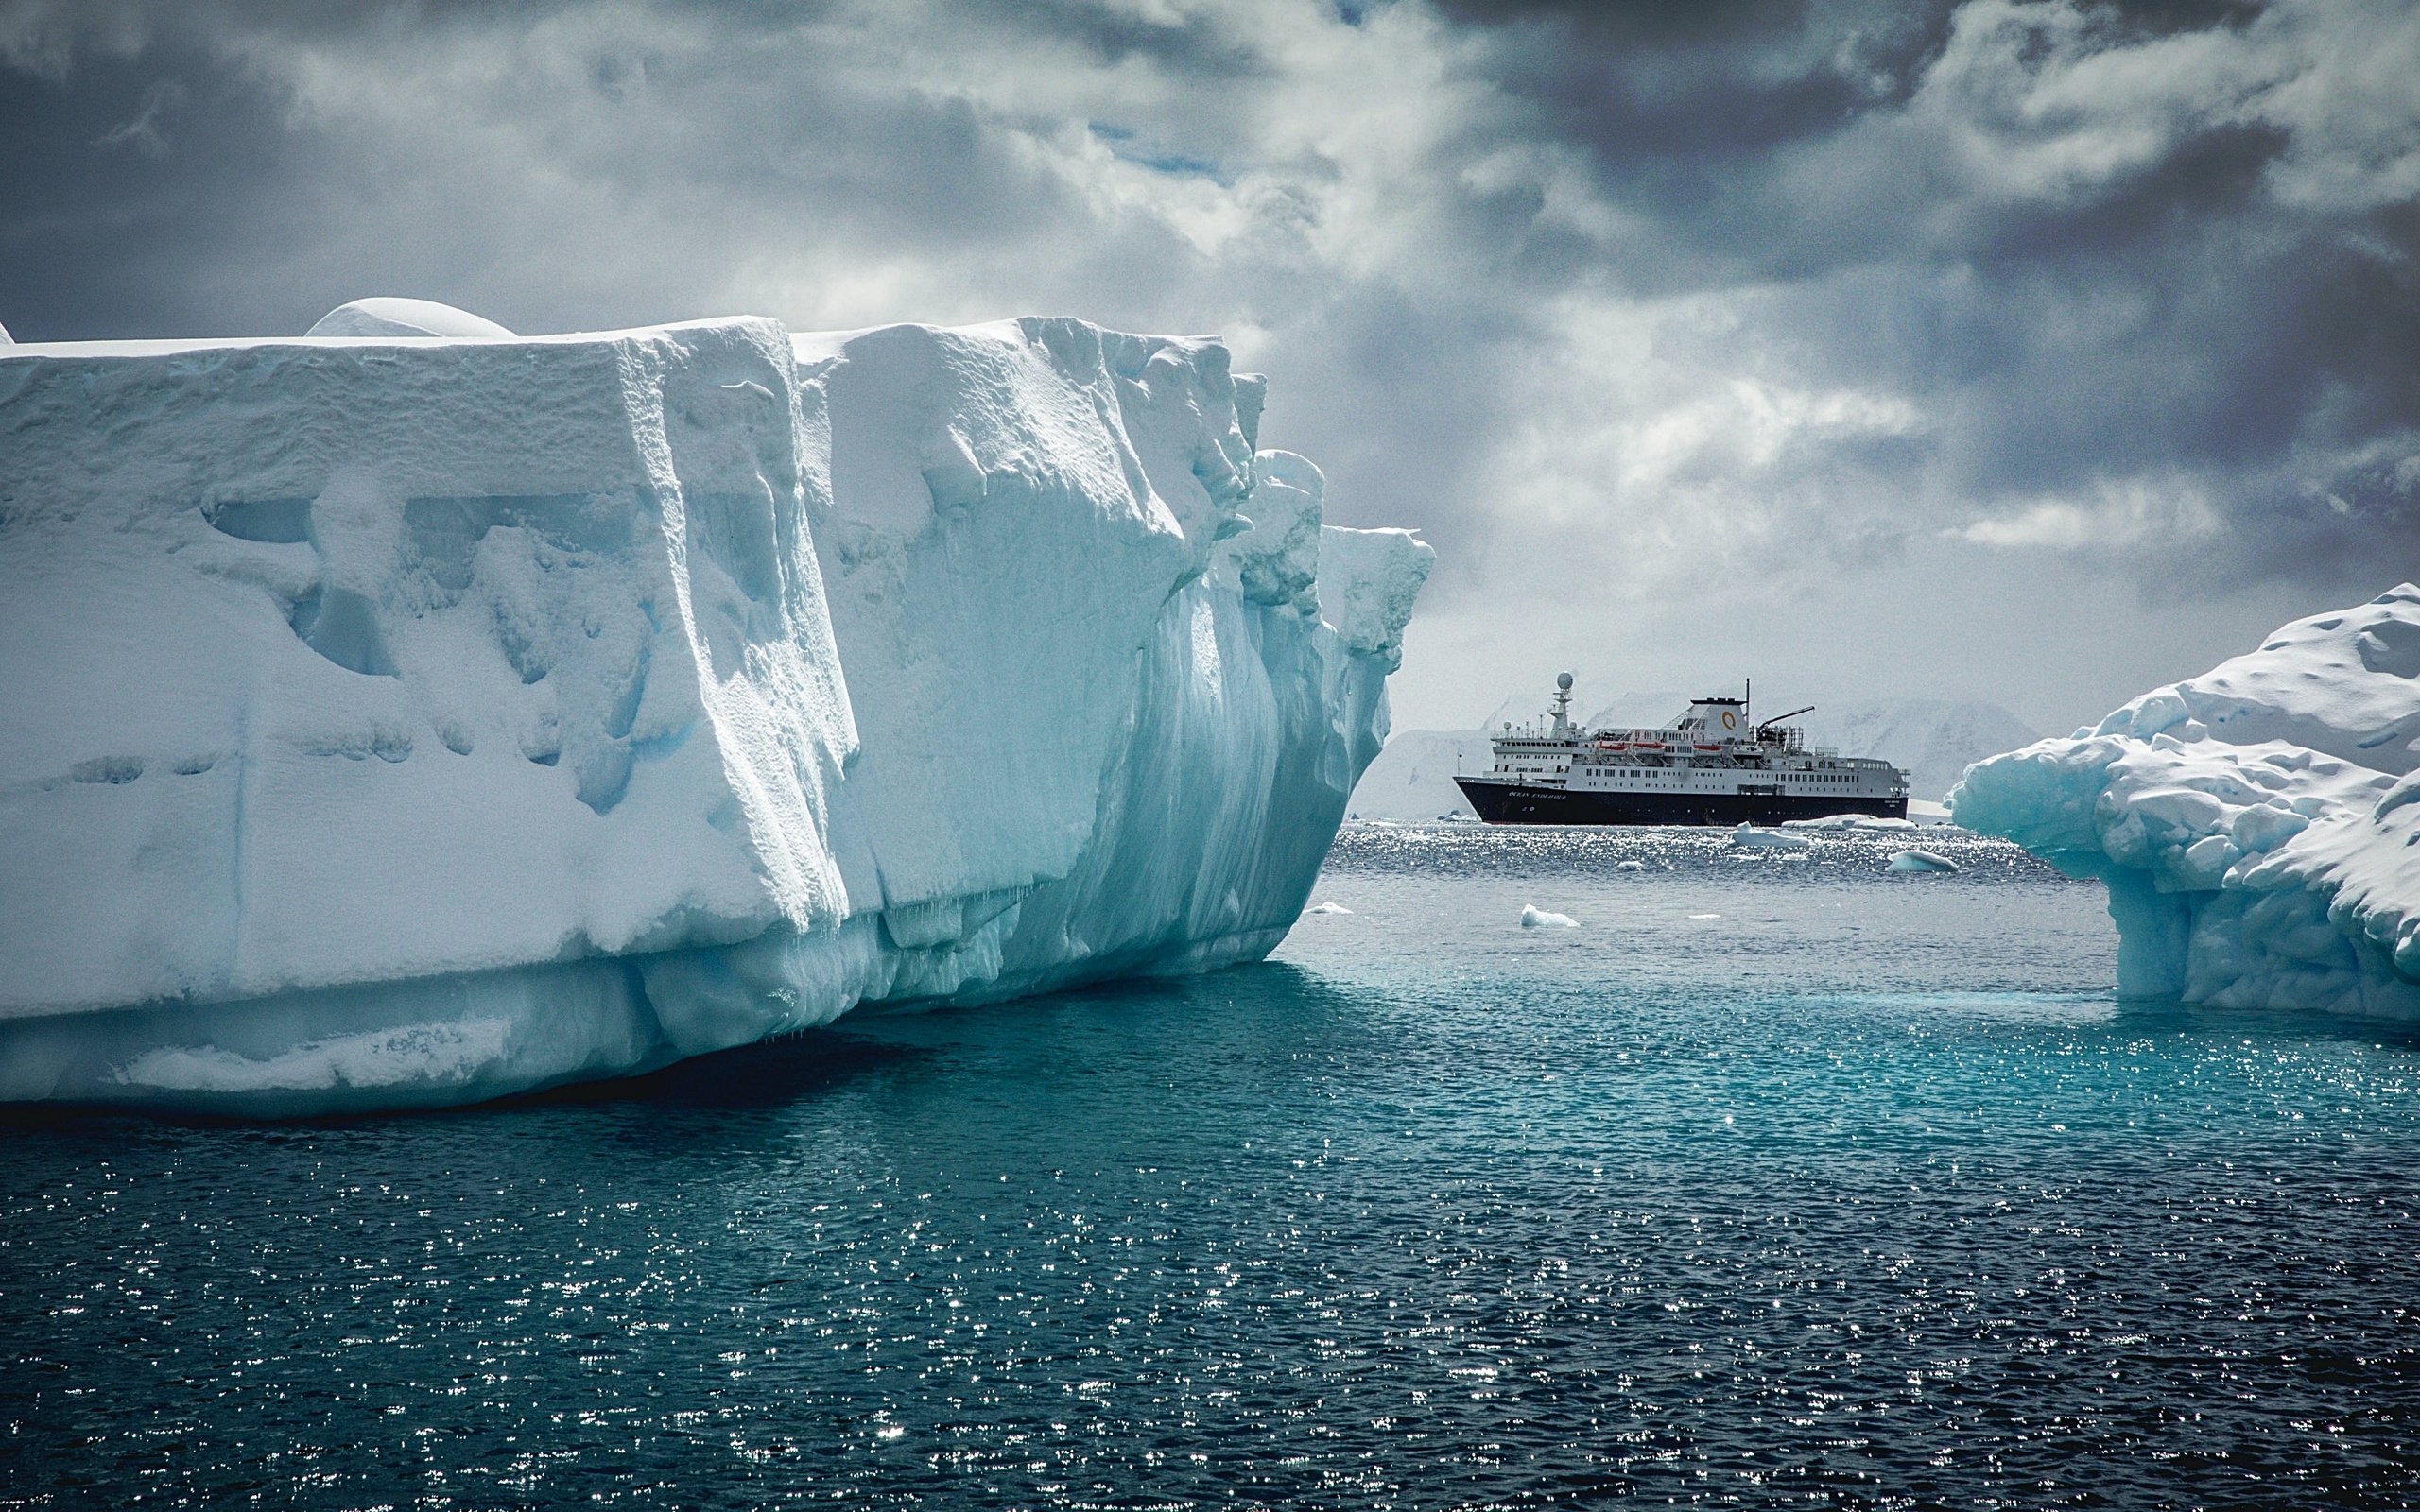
(1519,804)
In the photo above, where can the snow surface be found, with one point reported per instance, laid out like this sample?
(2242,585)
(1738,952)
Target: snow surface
(400,720)
(2255,826)
(402,318)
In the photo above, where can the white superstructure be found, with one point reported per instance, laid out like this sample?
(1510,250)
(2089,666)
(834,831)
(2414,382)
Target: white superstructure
(1713,764)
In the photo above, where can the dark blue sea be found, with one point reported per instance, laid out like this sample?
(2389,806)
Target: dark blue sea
(1783,1179)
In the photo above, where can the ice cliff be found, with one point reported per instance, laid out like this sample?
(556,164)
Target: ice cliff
(406,719)
(2255,826)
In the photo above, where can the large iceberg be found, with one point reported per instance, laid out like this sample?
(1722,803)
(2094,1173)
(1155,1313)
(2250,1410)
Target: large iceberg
(403,718)
(2258,827)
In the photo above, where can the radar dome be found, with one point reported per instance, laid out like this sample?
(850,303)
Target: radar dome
(1563,680)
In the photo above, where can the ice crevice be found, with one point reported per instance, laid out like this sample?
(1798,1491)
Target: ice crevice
(414,713)
(2256,826)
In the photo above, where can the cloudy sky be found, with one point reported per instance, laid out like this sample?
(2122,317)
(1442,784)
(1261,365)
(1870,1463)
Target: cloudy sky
(2033,352)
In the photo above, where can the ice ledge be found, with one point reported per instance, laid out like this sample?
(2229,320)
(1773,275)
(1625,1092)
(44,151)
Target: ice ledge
(2256,826)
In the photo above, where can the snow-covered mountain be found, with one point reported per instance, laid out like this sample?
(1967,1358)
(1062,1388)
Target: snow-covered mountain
(1935,739)
(1411,782)
(414,713)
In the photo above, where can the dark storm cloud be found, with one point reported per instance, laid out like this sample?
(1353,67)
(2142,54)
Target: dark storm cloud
(1607,299)
(2101,249)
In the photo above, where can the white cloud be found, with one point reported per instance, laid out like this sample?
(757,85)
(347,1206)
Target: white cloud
(1736,317)
(2131,512)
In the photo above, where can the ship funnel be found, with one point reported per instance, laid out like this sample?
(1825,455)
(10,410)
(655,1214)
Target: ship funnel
(1720,718)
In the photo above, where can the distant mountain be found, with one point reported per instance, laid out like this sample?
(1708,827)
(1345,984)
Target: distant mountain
(1413,780)
(1934,738)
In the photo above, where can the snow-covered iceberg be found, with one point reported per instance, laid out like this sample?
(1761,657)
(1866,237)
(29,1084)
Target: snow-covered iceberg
(405,718)
(2256,826)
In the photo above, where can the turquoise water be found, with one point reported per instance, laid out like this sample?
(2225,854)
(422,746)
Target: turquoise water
(1782,1180)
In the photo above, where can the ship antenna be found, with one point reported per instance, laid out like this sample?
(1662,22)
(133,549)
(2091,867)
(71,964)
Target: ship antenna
(1748,715)
(1562,702)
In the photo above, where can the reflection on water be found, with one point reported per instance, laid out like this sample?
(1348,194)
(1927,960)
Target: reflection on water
(1860,1190)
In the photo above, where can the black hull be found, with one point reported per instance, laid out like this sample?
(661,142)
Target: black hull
(1513,803)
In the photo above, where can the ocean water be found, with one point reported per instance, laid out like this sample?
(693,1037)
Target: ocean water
(1782,1180)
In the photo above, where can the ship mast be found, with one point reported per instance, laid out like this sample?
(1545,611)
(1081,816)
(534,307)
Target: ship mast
(1563,703)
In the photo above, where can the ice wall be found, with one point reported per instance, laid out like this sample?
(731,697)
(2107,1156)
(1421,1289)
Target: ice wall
(2255,826)
(405,720)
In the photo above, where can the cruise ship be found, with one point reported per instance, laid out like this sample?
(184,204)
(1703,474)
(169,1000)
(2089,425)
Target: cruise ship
(1711,766)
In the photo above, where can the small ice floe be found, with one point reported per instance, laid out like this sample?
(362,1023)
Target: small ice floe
(1533,917)
(1747,838)
(1922,861)
(1630,866)
(1849,821)
(1700,917)
(1331,906)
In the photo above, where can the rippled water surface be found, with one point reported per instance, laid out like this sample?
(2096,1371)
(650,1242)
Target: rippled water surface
(1783,1179)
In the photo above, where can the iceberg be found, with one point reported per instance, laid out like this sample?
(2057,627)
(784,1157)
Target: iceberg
(2255,826)
(1747,838)
(413,714)
(1871,823)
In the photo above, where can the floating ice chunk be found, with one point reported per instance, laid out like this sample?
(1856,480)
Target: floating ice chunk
(1747,838)
(1331,906)
(1922,861)
(2251,824)
(1534,917)
(1850,821)
(1630,866)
